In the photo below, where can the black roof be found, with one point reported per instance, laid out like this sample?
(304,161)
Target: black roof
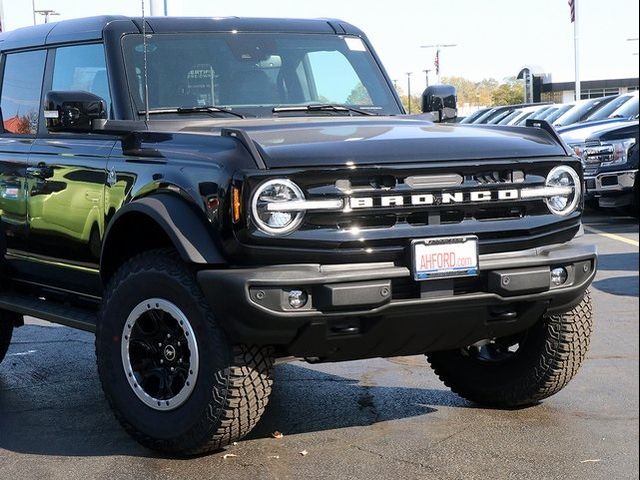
(92,28)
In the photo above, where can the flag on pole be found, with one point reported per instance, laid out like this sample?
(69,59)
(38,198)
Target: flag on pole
(436,62)
(572,7)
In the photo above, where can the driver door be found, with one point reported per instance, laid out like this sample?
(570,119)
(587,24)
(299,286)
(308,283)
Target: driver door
(66,203)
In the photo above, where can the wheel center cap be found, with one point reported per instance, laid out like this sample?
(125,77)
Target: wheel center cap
(170,353)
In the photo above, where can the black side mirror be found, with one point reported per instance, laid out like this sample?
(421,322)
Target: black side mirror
(1,122)
(73,111)
(441,101)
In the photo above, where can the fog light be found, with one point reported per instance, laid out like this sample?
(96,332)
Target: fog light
(298,298)
(558,276)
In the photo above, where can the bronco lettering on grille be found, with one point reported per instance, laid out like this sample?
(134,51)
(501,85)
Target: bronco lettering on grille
(444,198)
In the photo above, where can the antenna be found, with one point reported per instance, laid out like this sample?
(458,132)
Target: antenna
(146,79)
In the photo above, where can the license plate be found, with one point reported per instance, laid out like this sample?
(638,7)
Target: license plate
(448,257)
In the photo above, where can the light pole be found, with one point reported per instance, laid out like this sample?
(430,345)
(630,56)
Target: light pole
(576,47)
(426,75)
(46,14)
(409,90)
(438,47)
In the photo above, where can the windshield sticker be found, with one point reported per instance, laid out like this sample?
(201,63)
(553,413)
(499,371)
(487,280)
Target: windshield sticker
(201,84)
(355,44)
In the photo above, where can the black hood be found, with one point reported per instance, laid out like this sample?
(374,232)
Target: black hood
(332,141)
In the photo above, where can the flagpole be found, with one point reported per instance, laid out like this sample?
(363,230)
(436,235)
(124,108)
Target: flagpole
(436,62)
(576,48)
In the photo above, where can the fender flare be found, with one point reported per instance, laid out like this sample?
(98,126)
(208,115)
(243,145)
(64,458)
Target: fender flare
(187,230)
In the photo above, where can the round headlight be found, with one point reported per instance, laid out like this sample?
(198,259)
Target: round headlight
(264,207)
(566,181)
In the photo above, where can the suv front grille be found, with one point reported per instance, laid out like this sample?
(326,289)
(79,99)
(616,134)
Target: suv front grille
(377,216)
(454,199)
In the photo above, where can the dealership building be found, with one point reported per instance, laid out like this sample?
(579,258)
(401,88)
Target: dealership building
(540,88)
(564,92)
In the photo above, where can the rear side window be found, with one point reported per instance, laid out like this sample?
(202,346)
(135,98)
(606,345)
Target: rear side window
(20,93)
(82,67)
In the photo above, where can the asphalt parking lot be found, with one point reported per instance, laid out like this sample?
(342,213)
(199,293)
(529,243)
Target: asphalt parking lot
(376,419)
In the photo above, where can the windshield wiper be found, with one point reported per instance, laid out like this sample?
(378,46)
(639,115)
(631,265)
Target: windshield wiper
(322,107)
(185,110)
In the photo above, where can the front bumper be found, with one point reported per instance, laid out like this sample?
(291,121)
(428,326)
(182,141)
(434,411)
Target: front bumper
(370,310)
(614,189)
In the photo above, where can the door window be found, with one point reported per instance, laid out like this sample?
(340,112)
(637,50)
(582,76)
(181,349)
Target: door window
(82,67)
(20,94)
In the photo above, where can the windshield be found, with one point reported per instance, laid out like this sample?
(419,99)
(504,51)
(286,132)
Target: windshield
(495,119)
(474,116)
(253,72)
(582,110)
(609,108)
(486,117)
(510,117)
(540,113)
(557,113)
(628,110)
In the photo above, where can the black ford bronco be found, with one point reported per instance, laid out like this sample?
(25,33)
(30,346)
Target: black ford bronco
(212,195)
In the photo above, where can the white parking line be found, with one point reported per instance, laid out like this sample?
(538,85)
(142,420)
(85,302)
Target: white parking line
(612,236)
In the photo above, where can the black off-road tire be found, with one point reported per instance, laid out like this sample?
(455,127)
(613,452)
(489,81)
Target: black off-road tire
(6,331)
(233,383)
(548,358)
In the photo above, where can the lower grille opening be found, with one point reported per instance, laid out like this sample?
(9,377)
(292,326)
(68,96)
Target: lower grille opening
(407,288)
(477,284)
(404,289)
(499,213)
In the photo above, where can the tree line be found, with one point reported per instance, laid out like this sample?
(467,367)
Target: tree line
(487,92)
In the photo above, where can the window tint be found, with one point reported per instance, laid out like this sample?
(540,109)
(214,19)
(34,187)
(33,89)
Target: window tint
(82,67)
(324,68)
(21,87)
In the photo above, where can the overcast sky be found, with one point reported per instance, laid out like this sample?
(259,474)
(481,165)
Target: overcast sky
(495,38)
